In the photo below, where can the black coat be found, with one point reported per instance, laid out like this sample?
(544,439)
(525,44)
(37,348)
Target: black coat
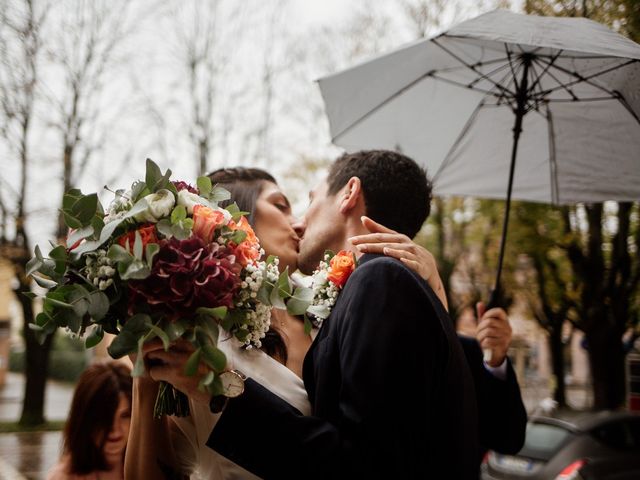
(391,392)
(502,417)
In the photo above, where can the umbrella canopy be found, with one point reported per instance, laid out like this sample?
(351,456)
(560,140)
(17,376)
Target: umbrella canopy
(452,103)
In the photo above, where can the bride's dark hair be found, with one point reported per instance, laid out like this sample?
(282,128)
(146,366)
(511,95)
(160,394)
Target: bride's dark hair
(245,186)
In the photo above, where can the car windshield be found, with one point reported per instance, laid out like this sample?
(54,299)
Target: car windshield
(543,441)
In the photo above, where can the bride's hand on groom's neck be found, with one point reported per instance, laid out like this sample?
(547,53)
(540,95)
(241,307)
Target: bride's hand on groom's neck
(384,241)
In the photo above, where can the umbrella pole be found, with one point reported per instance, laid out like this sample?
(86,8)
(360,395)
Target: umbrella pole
(495,299)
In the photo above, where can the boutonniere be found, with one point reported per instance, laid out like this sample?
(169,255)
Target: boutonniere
(327,281)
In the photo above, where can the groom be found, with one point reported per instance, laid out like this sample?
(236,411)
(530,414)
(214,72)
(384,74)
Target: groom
(391,392)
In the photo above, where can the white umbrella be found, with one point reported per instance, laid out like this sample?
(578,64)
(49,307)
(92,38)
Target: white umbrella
(560,94)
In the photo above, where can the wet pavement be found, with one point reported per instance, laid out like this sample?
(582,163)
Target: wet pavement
(29,455)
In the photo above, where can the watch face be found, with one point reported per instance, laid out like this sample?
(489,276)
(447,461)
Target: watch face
(232,384)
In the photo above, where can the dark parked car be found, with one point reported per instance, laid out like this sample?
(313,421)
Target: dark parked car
(598,446)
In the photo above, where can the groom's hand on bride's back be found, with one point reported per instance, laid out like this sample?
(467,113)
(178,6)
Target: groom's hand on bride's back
(384,241)
(168,366)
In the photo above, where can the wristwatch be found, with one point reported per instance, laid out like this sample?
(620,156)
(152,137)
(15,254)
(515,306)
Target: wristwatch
(232,387)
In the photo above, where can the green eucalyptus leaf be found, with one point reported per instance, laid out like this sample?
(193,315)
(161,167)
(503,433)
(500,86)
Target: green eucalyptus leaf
(300,301)
(49,300)
(179,213)
(165,228)
(153,174)
(70,198)
(238,236)
(180,231)
(214,357)
(151,250)
(30,295)
(204,186)
(71,221)
(44,282)
(275,300)
(41,319)
(191,367)
(138,324)
(60,257)
(219,194)
(138,366)
(218,313)
(319,311)
(33,265)
(123,344)
(85,208)
(94,337)
(161,334)
(175,330)
(137,246)
(117,253)
(79,234)
(38,253)
(136,270)
(206,380)
(98,305)
(308,326)
(284,284)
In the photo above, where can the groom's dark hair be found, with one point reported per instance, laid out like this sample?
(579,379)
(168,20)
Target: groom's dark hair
(397,192)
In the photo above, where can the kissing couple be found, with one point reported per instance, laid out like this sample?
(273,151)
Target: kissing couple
(385,388)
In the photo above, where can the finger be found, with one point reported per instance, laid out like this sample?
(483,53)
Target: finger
(167,358)
(497,313)
(412,264)
(490,333)
(151,345)
(379,238)
(162,373)
(480,309)
(400,253)
(379,247)
(489,344)
(374,226)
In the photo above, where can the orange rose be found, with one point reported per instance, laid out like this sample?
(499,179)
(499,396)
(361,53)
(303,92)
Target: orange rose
(147,234)
(205,222)
(246,253)
(243,225)
(341,267)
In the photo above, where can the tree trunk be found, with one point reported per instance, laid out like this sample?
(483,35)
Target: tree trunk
(36,365)
(557,365)
(606,359)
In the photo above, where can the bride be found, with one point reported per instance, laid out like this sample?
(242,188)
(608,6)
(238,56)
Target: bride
(174,447)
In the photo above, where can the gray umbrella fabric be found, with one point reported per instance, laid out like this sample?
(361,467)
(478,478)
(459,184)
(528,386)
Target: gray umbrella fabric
(451,102)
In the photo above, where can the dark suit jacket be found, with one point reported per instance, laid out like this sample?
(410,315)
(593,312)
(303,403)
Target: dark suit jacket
(502,417)
(390,388)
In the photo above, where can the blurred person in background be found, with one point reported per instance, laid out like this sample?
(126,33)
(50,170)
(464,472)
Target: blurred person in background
(97,428)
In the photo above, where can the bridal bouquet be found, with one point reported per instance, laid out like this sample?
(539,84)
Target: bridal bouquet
(163,261)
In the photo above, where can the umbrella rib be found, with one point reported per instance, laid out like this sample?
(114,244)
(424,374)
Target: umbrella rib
(580,79)
(469,66)
(553,166)
(546,68)
(463,133)
(382,104)
(466,86)
(489,74)
(561,86)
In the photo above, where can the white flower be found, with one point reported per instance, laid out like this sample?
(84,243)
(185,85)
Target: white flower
(159,205)
(189,200)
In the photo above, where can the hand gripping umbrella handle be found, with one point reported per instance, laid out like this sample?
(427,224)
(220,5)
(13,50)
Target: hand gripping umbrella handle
(494,302)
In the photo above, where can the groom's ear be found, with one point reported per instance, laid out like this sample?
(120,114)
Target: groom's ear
(350,195)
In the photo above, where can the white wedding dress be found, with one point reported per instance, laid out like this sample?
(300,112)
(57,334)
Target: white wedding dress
(190,434)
